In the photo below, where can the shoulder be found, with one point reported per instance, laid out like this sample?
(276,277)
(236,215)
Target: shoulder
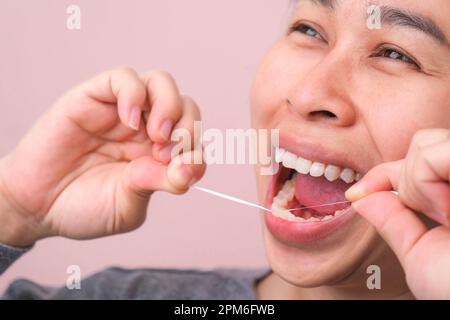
(120,283)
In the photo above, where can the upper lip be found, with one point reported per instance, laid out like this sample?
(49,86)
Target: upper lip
(316,151)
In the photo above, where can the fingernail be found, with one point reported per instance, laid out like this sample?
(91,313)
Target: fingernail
(135,118)
(165,154)
(165,129)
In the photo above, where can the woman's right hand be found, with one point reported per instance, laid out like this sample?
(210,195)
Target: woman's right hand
(422,179)
(89,165)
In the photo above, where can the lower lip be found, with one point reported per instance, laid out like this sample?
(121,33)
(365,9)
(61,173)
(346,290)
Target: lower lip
(297,233)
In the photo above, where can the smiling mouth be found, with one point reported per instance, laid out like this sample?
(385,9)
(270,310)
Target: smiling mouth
(306,183)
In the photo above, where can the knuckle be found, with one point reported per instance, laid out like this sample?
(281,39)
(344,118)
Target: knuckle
(413,180)
(124,70)
(419,137)
(160,74)
(192,105)
(188,100)
(424,137)
(419,141)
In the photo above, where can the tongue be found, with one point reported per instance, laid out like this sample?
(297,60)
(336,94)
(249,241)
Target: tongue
(310,191)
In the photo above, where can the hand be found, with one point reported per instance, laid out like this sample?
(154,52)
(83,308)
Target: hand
(422,179)
(89,165)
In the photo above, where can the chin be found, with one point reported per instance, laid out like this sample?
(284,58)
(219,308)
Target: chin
(339,263)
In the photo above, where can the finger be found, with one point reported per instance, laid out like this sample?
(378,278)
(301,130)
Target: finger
(420,188)
(389,175)
(431,194)
(121,86)
(400,227)
(423,186)
(427,137)
(165,103)
(383,177)
(142,177)
(438,156)
(184,170)
(187,137)
(146,175)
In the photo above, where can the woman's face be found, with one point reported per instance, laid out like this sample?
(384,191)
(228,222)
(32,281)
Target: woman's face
(345,93)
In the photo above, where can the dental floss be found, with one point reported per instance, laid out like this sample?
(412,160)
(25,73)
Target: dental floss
(321,205)
(234,199)
(250,204)
(330,204)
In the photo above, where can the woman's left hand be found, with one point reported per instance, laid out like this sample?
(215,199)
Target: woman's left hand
(422,180)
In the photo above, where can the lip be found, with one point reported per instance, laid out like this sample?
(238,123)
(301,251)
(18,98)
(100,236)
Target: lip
(316,151)
(294,233)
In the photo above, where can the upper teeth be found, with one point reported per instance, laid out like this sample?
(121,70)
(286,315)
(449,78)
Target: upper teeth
(315,169)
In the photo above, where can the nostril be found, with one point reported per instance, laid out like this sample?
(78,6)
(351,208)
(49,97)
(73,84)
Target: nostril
(323,113)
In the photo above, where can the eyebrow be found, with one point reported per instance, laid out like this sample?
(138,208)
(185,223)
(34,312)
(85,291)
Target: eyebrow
(324,3)
(402,18)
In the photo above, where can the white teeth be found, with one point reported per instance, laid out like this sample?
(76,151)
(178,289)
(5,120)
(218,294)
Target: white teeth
(339,213)
(348,175)
(281,202)
(284,196)
(283,193)
(332,173)
(289,160)
(303,166)
(317,169)
(278,211)
(279,155)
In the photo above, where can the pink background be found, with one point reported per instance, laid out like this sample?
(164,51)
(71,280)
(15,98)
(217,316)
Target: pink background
(212,48)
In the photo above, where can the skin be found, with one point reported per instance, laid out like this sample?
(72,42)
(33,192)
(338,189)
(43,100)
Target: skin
(88,151)
(91,140)
(315,72)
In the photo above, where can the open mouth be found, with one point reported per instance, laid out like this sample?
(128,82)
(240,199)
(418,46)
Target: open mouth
(304,183)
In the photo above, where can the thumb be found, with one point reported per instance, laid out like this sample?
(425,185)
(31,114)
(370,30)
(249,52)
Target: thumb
(399,226)
(383,177)
(145,175)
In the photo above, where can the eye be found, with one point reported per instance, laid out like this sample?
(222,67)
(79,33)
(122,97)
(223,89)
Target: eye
(307,30)
(395,54)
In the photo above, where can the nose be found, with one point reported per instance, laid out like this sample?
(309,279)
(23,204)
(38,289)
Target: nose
(323,93)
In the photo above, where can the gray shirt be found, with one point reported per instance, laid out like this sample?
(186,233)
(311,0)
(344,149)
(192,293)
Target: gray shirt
(119,283)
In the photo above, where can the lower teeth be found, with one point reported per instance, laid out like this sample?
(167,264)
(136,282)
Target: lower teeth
(284,196)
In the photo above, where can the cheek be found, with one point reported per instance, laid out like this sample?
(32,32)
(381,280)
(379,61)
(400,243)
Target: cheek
(264,96)
(271,86)
(402,116)
(277,79)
